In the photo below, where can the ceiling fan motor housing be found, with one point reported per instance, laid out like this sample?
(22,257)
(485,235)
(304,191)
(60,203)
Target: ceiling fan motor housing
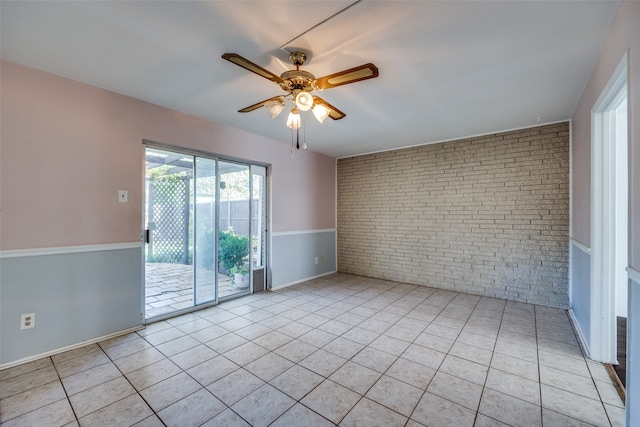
(297,80)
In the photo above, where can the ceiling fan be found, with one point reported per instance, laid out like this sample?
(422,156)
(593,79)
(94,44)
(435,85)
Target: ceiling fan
(299,84)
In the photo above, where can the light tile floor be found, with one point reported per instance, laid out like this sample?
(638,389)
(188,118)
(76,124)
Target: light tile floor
(338,350)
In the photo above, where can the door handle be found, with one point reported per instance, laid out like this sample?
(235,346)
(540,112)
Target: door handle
(147,234)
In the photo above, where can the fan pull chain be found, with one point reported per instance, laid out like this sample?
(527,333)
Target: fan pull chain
(292,144)
(304,143)
(304,138)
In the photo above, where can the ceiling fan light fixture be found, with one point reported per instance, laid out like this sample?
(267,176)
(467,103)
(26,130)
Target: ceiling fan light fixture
(274,107)
(293,121)
(304,101)
(299,84)
(321,112)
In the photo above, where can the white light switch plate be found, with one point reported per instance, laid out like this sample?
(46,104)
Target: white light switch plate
(123,196)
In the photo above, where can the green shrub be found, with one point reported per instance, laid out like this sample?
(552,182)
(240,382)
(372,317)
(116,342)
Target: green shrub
(233,250)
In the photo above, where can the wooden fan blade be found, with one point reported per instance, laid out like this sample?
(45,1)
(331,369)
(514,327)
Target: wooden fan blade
(334,113)
(352,75)
(254,68)
(260,104)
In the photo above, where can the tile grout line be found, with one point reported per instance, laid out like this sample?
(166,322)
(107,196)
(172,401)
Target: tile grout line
(128,381)
(443,359)
(363,395)
(484,385)
(73,410)
(535,325)
(386,370)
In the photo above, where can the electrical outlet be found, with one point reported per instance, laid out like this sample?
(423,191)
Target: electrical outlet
(27,321)
(317,260)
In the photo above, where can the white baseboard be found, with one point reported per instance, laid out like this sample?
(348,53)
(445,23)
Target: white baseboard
(286,285)
(581,337)
(69,347)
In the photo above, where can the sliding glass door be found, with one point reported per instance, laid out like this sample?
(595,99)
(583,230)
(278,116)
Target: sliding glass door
(234,224)
(204,230)
(204,225)
(259,227)
(168,232)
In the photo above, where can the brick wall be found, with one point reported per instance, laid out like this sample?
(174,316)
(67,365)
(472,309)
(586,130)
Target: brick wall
(486,215)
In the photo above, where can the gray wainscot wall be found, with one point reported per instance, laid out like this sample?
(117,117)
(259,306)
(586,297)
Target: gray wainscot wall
(78,294)
(296,254)
(580,292)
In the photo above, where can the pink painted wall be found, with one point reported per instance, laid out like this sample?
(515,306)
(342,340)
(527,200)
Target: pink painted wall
(66,148)
(624,35)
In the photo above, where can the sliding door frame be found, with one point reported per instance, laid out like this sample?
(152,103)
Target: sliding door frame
(146,143)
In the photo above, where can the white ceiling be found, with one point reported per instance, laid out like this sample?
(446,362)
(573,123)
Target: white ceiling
(448,69)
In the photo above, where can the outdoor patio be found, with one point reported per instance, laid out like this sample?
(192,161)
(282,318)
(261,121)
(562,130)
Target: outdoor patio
(169,287)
